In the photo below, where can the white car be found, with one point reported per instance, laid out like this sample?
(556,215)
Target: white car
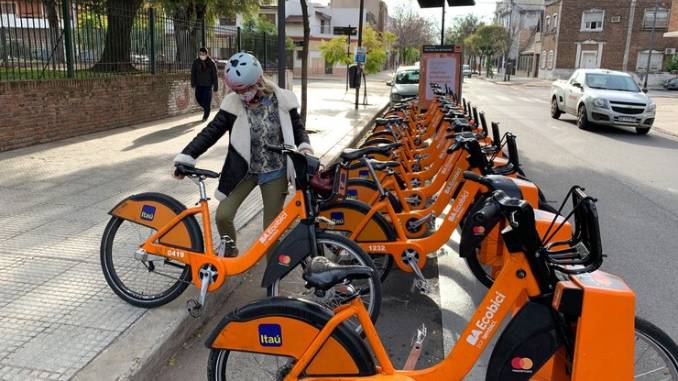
(466,71)
(405,83)
(605,97)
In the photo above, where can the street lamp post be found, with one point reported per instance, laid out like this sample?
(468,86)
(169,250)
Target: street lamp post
(654,43)
(360,44)
(442,31)
(282,61)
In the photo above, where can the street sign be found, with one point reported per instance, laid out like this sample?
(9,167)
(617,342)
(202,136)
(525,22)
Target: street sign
(361,55)
(345,30)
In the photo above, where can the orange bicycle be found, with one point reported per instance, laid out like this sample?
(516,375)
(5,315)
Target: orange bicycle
(571,321)
(153,246)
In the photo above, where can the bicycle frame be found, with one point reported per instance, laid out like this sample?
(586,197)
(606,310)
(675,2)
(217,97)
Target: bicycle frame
(515,284)
(167,224)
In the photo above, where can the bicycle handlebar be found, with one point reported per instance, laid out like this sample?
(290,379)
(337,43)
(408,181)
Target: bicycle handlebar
(476,178)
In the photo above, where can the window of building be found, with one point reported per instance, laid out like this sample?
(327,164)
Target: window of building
(656,61)
(548,23)
(300,55)
(227,21)
(543,59)
(592,20)
(549,60)
(7,8)
(662,18)
(554,23)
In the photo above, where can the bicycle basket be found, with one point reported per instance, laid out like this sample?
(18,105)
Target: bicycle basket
(584,252)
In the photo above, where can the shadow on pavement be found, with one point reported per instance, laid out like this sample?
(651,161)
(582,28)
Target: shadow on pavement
(161,135)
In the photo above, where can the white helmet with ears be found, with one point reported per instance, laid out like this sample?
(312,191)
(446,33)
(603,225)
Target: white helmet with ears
(242,71)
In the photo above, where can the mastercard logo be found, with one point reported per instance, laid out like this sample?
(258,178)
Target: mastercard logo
(284,260)
(522,363)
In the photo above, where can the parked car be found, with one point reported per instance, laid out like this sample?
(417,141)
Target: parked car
(671,84)
(405,83)
(466,71)
(605,97)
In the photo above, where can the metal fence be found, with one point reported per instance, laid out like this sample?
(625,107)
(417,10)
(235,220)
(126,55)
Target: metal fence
(50,39)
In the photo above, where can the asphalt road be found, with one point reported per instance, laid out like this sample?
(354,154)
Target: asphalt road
(635,179)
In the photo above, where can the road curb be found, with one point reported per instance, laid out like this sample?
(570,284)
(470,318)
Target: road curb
(143,348)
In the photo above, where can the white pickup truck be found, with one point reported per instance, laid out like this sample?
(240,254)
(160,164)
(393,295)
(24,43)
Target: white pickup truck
(606,97)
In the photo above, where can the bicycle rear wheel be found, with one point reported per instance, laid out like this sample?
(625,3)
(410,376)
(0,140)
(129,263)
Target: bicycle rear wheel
(143,282)
(342,251)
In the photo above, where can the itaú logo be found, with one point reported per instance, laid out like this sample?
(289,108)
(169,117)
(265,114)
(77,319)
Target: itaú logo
(485,325)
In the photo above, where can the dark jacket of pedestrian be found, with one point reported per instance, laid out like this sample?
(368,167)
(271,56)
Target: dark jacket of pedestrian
(204,73)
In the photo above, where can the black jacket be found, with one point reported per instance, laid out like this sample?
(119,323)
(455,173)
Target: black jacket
(235,167)
(204,73)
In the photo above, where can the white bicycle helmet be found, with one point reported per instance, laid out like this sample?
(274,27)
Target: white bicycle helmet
(243,70)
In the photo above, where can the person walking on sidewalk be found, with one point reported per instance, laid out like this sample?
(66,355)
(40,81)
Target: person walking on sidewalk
(204,79)
(256,113)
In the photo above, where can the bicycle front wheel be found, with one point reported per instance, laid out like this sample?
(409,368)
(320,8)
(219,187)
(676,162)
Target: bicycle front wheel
(656,354)
(343,251)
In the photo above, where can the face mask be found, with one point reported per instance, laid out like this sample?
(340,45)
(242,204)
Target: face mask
(248,96)
(202,57)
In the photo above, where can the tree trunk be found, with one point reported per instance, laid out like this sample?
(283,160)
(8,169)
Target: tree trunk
(184,36)
(118,46)
(304,61)
(56,40)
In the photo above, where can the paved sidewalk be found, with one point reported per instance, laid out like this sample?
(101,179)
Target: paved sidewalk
(56,311)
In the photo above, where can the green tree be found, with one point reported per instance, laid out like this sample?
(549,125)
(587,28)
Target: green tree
(259,24)
(672,66)
(336,51)
(412,31)
(376,52)
(462,27)
(410,56)
(488,41)
(193,13)
(118,42)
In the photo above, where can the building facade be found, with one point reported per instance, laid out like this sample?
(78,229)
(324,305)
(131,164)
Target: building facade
(612,35)
(520,18)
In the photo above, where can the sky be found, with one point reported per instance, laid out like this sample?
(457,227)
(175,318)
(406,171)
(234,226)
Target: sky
(483,9)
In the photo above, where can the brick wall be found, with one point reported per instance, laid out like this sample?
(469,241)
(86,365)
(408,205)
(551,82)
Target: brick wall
(33,112)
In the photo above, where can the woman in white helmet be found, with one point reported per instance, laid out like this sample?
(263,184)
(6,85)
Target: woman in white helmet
(255,113)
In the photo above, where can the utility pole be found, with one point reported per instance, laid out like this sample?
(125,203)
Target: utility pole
(442,31)
(282,61)
(654,43)
(507,55)
(348,53)
(360,44)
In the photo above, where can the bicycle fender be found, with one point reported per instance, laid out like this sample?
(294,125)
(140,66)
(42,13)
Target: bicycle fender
(156,210)
(529,341)
(288,254)
(287,327)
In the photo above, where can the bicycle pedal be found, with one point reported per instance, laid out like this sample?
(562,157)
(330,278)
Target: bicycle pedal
(194,308)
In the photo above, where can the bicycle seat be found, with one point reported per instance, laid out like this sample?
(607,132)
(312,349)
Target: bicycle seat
(379,165)
(323,274)
(356,153)
(192,171)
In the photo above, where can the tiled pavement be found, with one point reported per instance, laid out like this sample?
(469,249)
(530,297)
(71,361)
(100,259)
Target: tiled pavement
(56,311)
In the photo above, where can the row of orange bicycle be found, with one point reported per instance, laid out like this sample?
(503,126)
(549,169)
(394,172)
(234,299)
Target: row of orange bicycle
(550,313)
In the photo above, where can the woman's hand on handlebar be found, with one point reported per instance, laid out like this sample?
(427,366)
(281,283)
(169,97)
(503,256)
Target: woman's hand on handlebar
(176,174)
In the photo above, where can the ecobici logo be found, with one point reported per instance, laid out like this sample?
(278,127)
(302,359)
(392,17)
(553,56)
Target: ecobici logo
(485,325)
(352,194)
(270,335)
(148,212)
